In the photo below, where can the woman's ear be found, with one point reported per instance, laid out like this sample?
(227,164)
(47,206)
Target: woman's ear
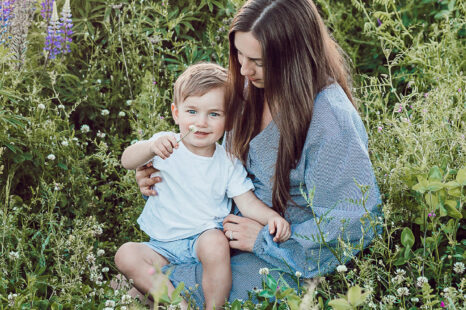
(174,112)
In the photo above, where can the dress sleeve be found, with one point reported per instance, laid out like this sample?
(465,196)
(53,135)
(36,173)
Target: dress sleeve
(335,160)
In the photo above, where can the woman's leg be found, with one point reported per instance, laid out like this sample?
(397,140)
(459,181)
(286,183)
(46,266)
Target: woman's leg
(213,251)
(135,261)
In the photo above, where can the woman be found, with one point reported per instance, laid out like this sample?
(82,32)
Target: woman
(297,131)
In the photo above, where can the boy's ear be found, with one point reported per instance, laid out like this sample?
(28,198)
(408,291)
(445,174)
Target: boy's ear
(175,112)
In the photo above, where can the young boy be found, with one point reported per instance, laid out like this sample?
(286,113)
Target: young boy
(184,220)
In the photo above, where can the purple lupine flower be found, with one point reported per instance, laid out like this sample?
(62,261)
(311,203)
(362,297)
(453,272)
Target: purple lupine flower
(379,22)
(53,38)
(46,11)
(6,12)
(66,25)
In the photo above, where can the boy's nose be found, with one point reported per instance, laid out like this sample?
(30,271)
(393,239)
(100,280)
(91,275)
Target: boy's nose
(201,121)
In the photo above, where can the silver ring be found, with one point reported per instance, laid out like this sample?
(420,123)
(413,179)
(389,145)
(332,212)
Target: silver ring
(231,235)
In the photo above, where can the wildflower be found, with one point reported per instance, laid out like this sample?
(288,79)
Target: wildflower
(154,82)
(161,117)
(400,109)
(442,304)
(379,22)
(64,143)
(298,274)
(458,268)
(389,299)
(85,128)
(459,90)
(97,230)
(105,112)
(13,255)
(51,157)
(101,134)
(415,299)
(128,102)
(66,25)
(421,280)
(46,10)
(90,258)
(264,271)
(61,106)
(431,214)
(342,269)
(379,129)
(107,308)
(11,299)
(410,84)
(122,114)
(56,186)
(52,40)
(110,303)
(124,308)
(41,106)
(100,252)
(105,269)
(403,291)
(426,95)
(125,299)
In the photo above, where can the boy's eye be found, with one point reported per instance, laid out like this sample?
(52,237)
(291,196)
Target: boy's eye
(191,111)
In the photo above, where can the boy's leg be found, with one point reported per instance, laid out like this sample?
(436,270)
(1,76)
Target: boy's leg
(135,261)
(213,251)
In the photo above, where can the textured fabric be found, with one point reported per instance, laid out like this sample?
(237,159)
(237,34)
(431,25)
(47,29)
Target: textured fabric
(181,251)
(335,156)
(186,205)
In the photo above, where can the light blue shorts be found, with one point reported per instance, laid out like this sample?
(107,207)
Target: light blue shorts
(181,251)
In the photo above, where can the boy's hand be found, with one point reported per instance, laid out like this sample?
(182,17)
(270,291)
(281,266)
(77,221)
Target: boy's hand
(280,227)
(163,146)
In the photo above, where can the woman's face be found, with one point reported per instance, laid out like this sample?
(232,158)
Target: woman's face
(250,57)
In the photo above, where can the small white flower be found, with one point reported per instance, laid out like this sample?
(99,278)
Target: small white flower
(107,308)
(64,143)
(128,102)
(101,134)
(414,299)
(264,271)
(122,114)
(458,268)
(400,272)
(125,299)
(403,291)
(110,303)
(100,252)
(56,186)
(105,269)
(192,128)
(41,106)
(85,128)
(389,299)
(342,268)
(90,258)
(51,157)
(124,308)
(105,112)
(61,106)
(13,255)
(421,280)
(298,274)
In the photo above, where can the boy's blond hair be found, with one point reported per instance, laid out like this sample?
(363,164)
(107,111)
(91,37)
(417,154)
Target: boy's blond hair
(197,80)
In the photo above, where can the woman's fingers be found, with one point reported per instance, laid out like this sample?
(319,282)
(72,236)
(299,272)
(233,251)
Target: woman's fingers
(231,218)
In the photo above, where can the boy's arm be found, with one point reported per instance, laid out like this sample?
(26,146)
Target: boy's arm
(140,153)
(137,155)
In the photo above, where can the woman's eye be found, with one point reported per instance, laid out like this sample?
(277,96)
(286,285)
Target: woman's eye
(214,114)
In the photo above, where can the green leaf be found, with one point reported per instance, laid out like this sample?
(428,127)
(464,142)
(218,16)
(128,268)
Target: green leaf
(434,186)
(435,174)
(421,187)
(271,283)
(461,176)
(453,212)
(339,304)
(266,293)
(63,166)
(354,295)
(236,305)
(178,290)
(407,237)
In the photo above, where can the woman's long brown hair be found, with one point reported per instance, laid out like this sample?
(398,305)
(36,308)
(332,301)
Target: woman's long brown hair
(299,60)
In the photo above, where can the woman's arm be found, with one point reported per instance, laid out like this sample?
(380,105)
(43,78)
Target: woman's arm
(145,181)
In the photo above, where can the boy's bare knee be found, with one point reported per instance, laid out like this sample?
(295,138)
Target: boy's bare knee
(124,256)
(213,245)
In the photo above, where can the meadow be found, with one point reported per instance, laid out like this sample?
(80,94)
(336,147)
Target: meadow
(80,83)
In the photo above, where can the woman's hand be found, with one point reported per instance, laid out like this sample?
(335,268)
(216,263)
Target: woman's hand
(145,182)
(241,231)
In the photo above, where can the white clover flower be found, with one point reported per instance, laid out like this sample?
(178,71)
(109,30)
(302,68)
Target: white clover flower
(51,157)
(13,255)
(61,106)
(90,258)
(264,271)
(64,143)
(110,303)
(458,268)
(298,274)
(101,134)
(192,128)
(342,268)
(123,308)
(400,272)
(105,269)
(421,280)
(389,299)
(41,106)
(11,299)
(403,291)
(128,102)
(85,128)
(126,299)
(415,299)
(100,252)
(105,112)
(122,114)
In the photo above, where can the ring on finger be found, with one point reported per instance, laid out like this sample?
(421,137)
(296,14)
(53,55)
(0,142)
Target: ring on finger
(230,235)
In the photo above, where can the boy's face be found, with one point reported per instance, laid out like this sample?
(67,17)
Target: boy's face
(207,113)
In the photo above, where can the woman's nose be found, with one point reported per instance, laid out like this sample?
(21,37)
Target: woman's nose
(246,68)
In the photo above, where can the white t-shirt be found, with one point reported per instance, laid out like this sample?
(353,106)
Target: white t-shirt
(195,192)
